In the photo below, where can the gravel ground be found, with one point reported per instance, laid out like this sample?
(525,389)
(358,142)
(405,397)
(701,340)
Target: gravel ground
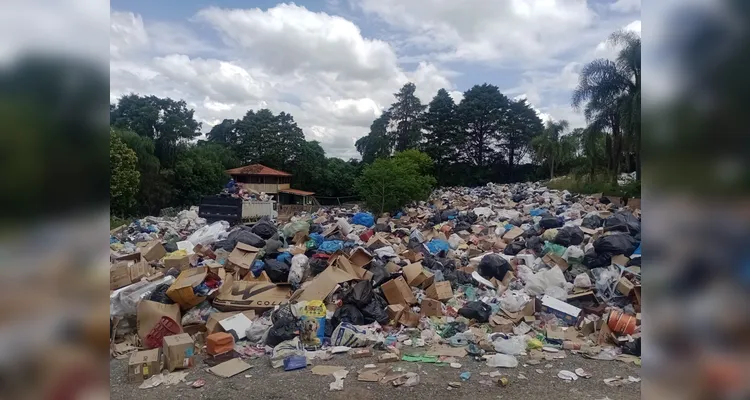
(268,383)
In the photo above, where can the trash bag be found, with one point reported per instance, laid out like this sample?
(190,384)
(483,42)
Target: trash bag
(592,221)
(298,269)
(550,222)
(255,332)
(562,238)
(633,348)
(292,228)
(364,219)
(448,214)
(531,232)
(476,310)
(462,226)
(513,346)
(570,235)
(634,262)
(374,311)
(454,241)
(470,217)
(616,244)
(535,244)
(264,228)
(382,228)
(458,278)
(493,266)
(515,247)
(316,228)
(318,265)
(346,313)
(273,246)
(277,271)
(593,259)
(247,237)
(624,218)
(436,246)
(359,295)
(331,246)
(517,198)
(285,326)
(379,274)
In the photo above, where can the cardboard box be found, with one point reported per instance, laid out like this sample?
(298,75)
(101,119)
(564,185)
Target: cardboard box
(244,295)
(134,257)
(501,324)
(179,263)
(360,257)
(212,324)
(320,287)
(412,256)
(392,267)
(620,260)
(440,291)
(181,291)
(344,264)
(562,310)
(512,234)
(153,251)
(179,351)
(431,308)
(243,256)
(624,286)
(119,275)
(149,313)
(143,365)
(552,259)
(394,311)
(396,291)
(417,276)
(409,319)
(139,271)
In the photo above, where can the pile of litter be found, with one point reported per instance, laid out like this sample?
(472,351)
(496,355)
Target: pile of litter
(492,273)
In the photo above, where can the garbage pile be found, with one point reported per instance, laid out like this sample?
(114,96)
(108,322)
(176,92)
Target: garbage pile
(491,273)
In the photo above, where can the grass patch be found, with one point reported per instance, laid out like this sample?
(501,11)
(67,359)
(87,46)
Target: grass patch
(600,184)
(115,221)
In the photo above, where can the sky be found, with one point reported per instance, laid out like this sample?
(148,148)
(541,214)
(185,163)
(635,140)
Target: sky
(335,64)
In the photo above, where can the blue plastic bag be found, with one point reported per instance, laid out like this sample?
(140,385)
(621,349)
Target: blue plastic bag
(638,250)
(436,246)
(318,238)
(331,246)
(284,257)
(536,212)
(363,218)
(257,267)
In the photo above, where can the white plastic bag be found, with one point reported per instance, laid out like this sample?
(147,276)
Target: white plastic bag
(255,332)
(286,349)
(483,212)
(513,300)
(573,253)
(513,346)
(454,241)
(297,271)
(209,234)
(537,285)
(556,292)
(582,281)
(502,361)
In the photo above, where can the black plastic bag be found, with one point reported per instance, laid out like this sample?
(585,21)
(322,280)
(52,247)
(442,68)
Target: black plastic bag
(462,226)
(514,247)
(624,218)
(247,237)
(382,228)
(264,229)
(517,198)
(533,231)
(536,245)
(316,228)
(550,223)
(285,326)
(634,262)
(346,313)
(516,222)
(445,215)
(375,311)
(278,271)
(360,294)
(458,278)
(569,236)
(616,244)
(379,274)
(272,246)
(170,246)
(159,294)
(493,266)
(633,348)
(562,238)
(476,310)
(592,259)
(469,217)
(592,221)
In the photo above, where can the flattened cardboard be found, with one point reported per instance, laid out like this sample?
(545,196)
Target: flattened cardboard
(243,256)
(119,275)
(230,368)
(322,285)
(417,276)
(412,256)
(447,351)
(179,351)
(397,291)
(552,259)
(143,365)
(213,326)
(440,291)
(245,295)
(263,277)
(634,204)
(431,308)
(392,267)
(346,265)
(409,318)
(620,260)
(501,324)
(512,234)
(153,251)
(588,231)
(134,257)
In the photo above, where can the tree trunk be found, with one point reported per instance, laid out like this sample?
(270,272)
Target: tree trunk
(510,164)
(608,144)
(617,141)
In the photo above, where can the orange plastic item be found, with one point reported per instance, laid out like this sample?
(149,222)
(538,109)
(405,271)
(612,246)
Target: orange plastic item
(446,229)
(219,343)
(621,323)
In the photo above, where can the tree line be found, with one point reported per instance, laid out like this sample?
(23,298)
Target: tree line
(156,162)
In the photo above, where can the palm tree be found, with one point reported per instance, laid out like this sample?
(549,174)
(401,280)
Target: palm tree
(610,94)
(551,147)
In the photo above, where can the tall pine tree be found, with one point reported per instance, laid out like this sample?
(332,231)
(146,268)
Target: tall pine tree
(377,144)
(520,127)
(440,132)
(481,113)
(406,118)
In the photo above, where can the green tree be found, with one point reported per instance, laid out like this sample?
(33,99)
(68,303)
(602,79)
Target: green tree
(338,178)
(610,94)
(377,143)
(166,121)
(123,176)
(551,148)
(198,172)
(481,113)
(309,167)
(440,137)
(390,183)
(406,117)
(521,126)
(224,133)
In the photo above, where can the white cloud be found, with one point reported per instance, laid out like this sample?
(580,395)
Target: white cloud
(626,6)
(512,31)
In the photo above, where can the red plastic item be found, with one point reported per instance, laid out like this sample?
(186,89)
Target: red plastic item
(165,327)
(365,236)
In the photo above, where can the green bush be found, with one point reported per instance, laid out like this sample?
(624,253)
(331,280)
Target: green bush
(599,184)
(390,183)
